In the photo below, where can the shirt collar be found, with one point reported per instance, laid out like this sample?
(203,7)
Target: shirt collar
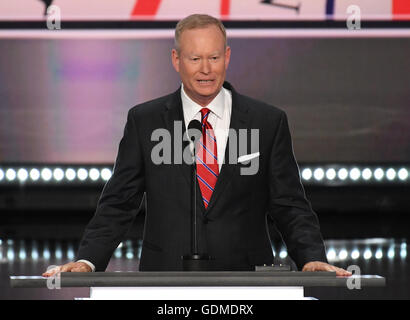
(191,108)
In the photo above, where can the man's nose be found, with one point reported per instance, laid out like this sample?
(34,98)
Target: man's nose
(205,66)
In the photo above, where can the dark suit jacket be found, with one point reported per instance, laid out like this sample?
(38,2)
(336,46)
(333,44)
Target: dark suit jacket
(233,230)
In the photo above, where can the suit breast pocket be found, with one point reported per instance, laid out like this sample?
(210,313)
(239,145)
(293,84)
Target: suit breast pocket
(248,164)
(247,172)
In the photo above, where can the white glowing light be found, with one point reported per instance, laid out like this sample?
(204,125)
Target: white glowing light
(11,174)
(378,174)
(94,174)
(46,174)
(22,174)
(22,254)
(402,174)
(342,174)
(70,174)
(354,174)
(343,254)
(34,174)
(390,253)
(10,254)
(58,174)
(46,253)
(403,250)
(355,254)
(367,254)
(331,254)
(319,174)
(70,252)
(106,174)
(391,174)
(58,252)
(82,174)
(34,254)
(366,174)
(118,253)
(129,255)
(330,174)
(307,174)
(283,254)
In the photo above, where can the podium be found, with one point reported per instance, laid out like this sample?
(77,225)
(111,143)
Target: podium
(223,285)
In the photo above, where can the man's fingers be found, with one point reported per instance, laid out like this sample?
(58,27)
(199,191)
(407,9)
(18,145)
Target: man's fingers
(339,271)
(321,266)
(81,268)
(343,272)
(330,268)
(51,272)
(67,267)
(64,268)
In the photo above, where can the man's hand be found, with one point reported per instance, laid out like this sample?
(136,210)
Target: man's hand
(322,266)
(69,267)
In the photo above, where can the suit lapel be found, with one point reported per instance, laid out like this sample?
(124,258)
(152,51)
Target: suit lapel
(173,112)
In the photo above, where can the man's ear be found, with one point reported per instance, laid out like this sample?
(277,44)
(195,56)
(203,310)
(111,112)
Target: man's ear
(227,57)
(175,59)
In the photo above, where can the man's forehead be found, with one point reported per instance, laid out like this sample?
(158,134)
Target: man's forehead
(194,44)
(197,32)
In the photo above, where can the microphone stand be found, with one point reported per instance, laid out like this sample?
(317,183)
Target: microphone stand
(195,261)
(194,240)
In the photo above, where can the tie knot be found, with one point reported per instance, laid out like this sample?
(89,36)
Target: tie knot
(204,113)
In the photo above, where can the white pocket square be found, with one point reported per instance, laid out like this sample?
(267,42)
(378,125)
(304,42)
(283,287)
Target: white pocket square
(248,157)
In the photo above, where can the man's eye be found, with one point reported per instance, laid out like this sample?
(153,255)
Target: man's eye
(195,59)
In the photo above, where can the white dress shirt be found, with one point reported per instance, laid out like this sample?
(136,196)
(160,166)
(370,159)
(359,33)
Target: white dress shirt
(219,118)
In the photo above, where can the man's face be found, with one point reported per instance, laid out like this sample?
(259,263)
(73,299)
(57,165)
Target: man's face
(202,62)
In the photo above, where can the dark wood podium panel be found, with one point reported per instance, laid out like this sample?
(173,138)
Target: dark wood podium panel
(199,279)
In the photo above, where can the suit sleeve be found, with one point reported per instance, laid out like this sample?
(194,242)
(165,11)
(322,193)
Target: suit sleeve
(289,208)
(118,203)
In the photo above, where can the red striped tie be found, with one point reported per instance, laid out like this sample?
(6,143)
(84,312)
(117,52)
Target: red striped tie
(207,159)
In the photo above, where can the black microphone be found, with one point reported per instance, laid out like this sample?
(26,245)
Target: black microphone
(194,132)
(194,261)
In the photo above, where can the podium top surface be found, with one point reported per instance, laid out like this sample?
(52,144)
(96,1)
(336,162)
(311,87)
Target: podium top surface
(197,279)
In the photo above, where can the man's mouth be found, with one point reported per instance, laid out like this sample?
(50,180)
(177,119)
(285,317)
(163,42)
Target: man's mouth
(204,81)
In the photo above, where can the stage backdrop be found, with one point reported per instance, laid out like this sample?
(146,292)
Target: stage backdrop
(66,100)
(226,9)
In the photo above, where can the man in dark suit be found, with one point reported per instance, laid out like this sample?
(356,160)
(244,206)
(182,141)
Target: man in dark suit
(233,210)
